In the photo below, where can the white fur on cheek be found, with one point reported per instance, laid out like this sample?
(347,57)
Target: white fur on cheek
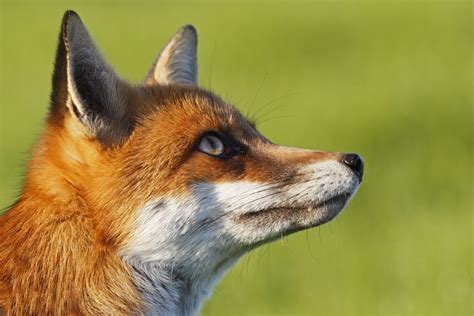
(179,245)
(197,237)
(191,229)
(319,182)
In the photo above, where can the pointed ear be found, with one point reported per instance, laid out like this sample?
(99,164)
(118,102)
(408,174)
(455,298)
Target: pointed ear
(86,85)
(177,62)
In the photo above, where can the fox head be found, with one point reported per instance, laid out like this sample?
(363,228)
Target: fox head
(176,179)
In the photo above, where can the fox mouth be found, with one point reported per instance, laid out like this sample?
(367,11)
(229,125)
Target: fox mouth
(338,199)
(327,210)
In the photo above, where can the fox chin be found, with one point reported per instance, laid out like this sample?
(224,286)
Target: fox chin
(138,198)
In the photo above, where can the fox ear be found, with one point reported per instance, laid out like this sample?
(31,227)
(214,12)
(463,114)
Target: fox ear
(177,62)
(87,85)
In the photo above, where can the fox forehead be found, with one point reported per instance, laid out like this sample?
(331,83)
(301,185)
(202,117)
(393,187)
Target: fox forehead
(180,113)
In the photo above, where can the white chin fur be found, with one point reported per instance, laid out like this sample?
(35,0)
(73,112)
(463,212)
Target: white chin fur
(207,219)
(199,236)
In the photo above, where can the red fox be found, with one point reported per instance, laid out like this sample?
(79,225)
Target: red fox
(138,198)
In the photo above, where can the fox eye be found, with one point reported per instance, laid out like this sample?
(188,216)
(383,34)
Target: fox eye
(220,146)
(212,145)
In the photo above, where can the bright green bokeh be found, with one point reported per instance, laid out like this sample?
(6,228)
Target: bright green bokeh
(390,80)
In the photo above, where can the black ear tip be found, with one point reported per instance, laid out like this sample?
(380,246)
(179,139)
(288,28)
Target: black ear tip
(70,16)
(188,29)
(71,23)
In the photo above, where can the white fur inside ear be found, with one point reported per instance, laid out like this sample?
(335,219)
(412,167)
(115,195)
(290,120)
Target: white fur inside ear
(76,36)
(177,62)
(74,102)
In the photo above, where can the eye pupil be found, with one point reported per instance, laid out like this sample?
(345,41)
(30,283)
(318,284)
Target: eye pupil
(215,143)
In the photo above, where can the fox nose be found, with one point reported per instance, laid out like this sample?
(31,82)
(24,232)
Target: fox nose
(355,162)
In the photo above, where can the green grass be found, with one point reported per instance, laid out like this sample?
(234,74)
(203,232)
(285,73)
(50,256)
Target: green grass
(392,81)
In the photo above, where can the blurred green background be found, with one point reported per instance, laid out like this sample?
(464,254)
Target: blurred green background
(391,80)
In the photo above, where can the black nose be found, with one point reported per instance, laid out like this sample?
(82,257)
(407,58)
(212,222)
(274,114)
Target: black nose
(354,162)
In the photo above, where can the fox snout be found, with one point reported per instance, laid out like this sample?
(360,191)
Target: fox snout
(308,189)
(355,162)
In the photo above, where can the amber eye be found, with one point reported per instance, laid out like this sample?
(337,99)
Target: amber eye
(212,145)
